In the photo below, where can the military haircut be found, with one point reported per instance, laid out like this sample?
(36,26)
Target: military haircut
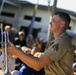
(64,16)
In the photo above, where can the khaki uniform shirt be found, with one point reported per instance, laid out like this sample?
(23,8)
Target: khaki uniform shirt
(61,52)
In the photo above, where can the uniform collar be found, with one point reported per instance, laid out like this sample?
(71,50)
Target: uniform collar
(61,35)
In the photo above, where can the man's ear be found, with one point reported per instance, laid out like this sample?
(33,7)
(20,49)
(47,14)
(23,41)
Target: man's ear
(62,23)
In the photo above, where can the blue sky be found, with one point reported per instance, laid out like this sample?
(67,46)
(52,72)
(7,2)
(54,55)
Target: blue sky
(64,4)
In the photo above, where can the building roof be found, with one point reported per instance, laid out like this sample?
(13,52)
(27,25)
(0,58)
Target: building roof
(65,5)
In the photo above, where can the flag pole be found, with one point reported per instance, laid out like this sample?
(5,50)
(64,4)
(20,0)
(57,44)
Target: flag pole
(32,21)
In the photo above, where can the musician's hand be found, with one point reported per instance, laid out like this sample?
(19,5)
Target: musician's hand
(38,54)
(26,50)
(12,49)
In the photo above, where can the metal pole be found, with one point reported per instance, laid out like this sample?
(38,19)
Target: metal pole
(54,7)
(53,11)
(32,21)
(6,60)
(6,54)
(3,1)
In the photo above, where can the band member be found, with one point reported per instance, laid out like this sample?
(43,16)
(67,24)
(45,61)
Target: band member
(59,54)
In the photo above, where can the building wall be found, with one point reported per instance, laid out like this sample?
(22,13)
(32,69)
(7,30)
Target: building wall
(18,20)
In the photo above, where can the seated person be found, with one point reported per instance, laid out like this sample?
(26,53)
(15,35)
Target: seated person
(19,42)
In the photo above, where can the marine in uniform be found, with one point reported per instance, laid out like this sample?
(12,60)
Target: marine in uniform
(61,52)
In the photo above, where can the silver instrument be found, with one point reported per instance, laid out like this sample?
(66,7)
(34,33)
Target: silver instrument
(4,45)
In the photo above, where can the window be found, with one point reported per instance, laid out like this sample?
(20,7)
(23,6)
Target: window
(7,14)
(27,17)
(26,30)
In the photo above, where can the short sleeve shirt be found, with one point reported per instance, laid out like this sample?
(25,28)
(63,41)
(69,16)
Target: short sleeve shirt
(61,52)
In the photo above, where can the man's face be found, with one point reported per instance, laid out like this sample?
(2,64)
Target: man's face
(55,23)
(8,29)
